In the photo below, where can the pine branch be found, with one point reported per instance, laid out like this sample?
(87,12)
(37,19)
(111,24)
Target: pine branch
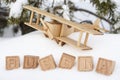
(87,11)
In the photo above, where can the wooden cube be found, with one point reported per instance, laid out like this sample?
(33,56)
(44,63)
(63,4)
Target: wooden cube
(67,61)
(12,62)
(85,63)
(47,63)
(105,66)
(30,62)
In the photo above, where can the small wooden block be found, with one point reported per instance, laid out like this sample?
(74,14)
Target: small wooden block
(47,63)
(85,63)
(67,61)
(105,66)
(30,62)
(12,62)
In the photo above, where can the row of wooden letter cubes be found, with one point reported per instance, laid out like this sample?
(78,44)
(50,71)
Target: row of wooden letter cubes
(85,63)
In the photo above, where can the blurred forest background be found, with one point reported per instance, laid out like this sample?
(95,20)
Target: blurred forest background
(13,16)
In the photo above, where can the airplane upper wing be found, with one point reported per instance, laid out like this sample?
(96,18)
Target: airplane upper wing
(81,27)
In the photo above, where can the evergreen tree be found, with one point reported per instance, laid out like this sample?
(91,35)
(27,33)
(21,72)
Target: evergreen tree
(106,10)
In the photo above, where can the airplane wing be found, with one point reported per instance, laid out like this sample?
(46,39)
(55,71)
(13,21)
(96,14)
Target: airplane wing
(77,26)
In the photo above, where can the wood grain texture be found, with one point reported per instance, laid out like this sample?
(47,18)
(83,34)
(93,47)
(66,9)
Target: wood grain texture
(73,43)
(77,26)
(105,66)
(47,63)
(31,17)
(30,62)
(12,62)
(80,39)
(54,28)
(67,61)
(85,63)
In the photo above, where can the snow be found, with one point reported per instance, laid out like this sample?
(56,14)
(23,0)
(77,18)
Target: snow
(8,32)
(66,14)
(101,1)
(35,43)
(16,8)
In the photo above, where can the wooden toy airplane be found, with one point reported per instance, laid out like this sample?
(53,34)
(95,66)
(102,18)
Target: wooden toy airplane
(60,28)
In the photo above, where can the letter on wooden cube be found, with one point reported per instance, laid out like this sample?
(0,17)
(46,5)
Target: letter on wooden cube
(105,66)
(67,61)
(30,62)
(85,63)
(12,62)
(47,63)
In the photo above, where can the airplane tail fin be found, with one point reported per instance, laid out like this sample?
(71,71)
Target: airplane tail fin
(97,25)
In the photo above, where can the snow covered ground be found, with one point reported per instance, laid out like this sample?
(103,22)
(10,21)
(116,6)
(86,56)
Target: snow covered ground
(106,46)
(35,43)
